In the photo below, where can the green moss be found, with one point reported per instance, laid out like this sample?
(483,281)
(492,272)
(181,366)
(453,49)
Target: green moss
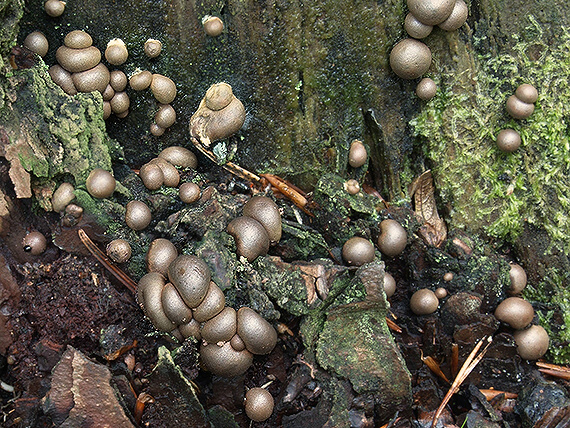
(490,191)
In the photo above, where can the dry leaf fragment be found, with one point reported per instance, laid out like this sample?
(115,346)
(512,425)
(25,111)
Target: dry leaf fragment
(433,231)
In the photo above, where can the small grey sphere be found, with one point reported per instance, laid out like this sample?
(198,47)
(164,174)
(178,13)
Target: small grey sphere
(137,215)
(457,17)
(189,192)
(37,42)
(532,343)
(119,250)
(415,28)
(358,251)
(527,93)
(518,109)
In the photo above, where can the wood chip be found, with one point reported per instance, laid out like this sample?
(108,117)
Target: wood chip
(433,231)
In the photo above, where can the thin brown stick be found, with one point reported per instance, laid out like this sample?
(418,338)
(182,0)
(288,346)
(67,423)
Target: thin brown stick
(106,262)
(454,359)
(470,363)
(434,367)
(492,393)
(393,326)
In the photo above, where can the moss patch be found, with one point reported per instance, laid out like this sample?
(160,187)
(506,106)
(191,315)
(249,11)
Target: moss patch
(490,191)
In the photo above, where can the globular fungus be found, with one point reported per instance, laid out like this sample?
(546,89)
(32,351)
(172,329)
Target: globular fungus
(173,305)
(393,238)
(151,175)
(156,130)
(62,78)
(118,80)
(431,12)
(219,115)
(100,183)
(516,312)
(224,360)
(34,243)
(140,80)
(518,109)
(152,48)
(258,404)
(191,277)
(37,42)
(78,39)
(352,186)
(213,303)
(257,334)
(163,88)
(119,250)
(165,116)
(527,93)
(518,278)
(448,276)
(169,172)
(137,215)
(220,328)
(120,103)
(424,302)
(62,196)
(410,58)
(149,296)
(213,26)
(456,18)
(94,79)
(440,293)
(179,156)
(508,140)
(357,154)
(108,93)
(78,60)
(266,212)
(415,28)
(161,252)
(189,192)
(116,52)
(426,89)
(358,251)
(532,343)
(389,285)
(54,8)
(250,236)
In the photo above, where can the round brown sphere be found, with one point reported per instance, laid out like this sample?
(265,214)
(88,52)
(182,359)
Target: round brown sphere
(34,243)
(213,26)
(518,279)
(389,284)
(78,39)
(424,302)
(393,238)
(357,155)
(94,79)
(448,276)
(54,8)
(519,109)
(120,102)
(224,360)
(358,251)
(516,312)
(37,42)
(258,404)
(116,52)
(151,175)
(165,116)
(163,88)
(352,187)
(532,343)
(108,93)
(169,172)
(179,156)
(431,12)
(457,17)
(161,252)
(189,192)
(62,197)
(426,89)
(152,48)
(508,140)
(118,80)
(140,80)
(119,250)
(257,334)
(527,93)
(440,293)
(100,183)
(250,237)
(156,130)
(137,215)
(78,60)
(266,212)
(410,58)
(415,28)
(62,78)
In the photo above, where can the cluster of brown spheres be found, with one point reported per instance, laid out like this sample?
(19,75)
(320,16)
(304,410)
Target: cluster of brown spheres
(220,115)
(257,228)
(187,303)
(520,105)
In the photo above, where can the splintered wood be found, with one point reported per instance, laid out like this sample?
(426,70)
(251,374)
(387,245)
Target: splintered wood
(433,231)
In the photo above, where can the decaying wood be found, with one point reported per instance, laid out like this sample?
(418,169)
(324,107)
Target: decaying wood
(433,231)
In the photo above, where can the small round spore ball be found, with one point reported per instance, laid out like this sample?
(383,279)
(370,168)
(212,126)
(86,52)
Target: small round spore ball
(518,279)
(358,251)
(410,58)
(213,26)
(508,140)
(100,183)
(527,93)
(54,8)
(119,250)
(258,404)
(393,238)
(518,109)
(34,243)
(137,215)
(424,302)
(426,89)
(532,343)
(37,42)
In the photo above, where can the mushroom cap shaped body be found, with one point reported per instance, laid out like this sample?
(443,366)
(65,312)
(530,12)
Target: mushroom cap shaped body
(224,360)
(431,12)
(173,305)
(189,192)
(532,343)
(137,215)
(169,172)
(54,8)
(100,183)
(119,250)
(415,28)
(37,42)
(410,58)
(266,212)
(213,26)
(161,252)
(424,302)
(250,236)
(518,278)
(258,335)
(152,176)
(116,52)
(259,404)
(516,312)
(78,60)
(358,251)
(140,80)
(389,284)
(78,39)
(519,109)
(62,78)
(527,93)
(508,140)
(393,238)
(152,48)
(191,277)
(457,17)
